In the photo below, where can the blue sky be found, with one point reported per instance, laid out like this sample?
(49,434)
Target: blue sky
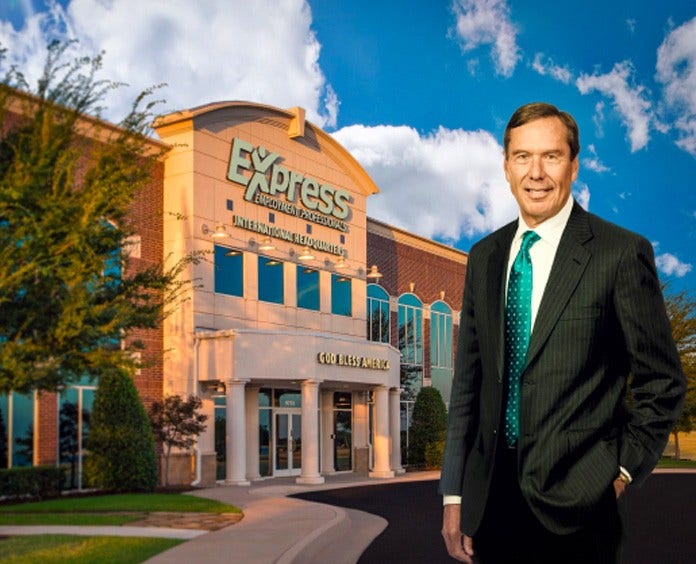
(420,91)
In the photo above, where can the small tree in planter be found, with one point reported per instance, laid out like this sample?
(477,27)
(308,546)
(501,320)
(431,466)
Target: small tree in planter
(176,423)
(428,428)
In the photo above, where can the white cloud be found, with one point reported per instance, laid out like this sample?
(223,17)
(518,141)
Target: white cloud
(206,51)
(676,70)
(629,100)
(593,162)
(631,25)
(446,184)
(487,22)
(545,66)
(581,193)
(671,266)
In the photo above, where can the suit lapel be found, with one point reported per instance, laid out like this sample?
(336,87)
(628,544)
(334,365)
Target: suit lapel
(495,277)
(568,266)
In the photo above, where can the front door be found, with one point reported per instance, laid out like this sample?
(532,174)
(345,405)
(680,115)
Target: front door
(288,442)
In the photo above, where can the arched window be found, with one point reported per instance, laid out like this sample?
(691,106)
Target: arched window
(377,314)
(411,344)
(441,365)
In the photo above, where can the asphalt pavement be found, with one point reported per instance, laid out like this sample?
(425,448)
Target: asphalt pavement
(661,520)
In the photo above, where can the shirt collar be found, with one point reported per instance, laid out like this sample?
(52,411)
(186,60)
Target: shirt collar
(550,230)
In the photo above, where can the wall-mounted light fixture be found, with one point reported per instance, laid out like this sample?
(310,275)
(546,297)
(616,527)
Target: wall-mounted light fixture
(219,232)
(341,263)
(213,386)
(306,254)
(266,244)
(233,253)
(374,273)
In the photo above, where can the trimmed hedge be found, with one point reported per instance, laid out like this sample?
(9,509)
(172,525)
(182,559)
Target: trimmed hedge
(37,482)
(121,444)
(428,426)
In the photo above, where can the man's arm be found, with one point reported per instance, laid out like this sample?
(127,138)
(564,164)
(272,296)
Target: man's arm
(657,384)
(463,408)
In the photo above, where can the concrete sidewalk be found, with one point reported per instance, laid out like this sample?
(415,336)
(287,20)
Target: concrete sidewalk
(278,529)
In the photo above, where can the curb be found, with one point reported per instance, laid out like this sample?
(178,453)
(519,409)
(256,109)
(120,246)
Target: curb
(290,555)
(101,531)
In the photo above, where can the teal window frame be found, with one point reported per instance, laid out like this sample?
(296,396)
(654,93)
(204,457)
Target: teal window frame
(229,271)
(271,280)
(17,429)
(308,290)
(341,295)
(378,315)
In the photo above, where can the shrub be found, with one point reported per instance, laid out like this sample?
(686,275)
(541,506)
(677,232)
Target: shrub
(32,481)
(120,442)
(428,428)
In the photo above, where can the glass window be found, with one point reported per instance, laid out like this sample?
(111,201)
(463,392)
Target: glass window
(410,343)
(377,314)
(287,398)
(16,429)
(4,439)
(270,280)
(265,434)
(229,271)
(307,288)
(441,370)
(341,289)
(74,412)
(411,329)
(220,436)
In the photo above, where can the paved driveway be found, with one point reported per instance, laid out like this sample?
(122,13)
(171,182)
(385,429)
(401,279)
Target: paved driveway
(661,519)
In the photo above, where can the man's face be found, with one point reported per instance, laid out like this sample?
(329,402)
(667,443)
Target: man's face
(539,169)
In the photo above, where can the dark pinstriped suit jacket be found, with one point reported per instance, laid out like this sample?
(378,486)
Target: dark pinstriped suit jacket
(601,317)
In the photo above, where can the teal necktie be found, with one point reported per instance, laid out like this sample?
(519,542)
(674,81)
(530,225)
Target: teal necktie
(518,328)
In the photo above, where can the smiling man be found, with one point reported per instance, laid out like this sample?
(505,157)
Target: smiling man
(559,308)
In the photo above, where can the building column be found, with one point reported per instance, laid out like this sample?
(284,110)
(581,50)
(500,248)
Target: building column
(252,432)
(310,434)
(327,441)
(395,429)
(235,436)
(381,468)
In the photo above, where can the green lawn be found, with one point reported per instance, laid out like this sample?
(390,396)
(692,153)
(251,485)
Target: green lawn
(94,510)
(122,503)
(672,463)
(86,550)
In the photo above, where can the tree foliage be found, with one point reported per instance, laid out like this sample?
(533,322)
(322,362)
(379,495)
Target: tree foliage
(120,443)
(427,434)
(681,310)
(68,297)
(176,423)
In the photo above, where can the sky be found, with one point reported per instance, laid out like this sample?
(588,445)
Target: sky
(419,91)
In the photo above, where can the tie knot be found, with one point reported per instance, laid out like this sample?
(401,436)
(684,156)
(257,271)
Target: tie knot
(528,239)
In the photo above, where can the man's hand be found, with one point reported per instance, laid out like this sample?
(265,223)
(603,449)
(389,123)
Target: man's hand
(459,546)
(619,487)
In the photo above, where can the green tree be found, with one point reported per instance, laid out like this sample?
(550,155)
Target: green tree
(427,435)
(68,296)
(121,444)
(681,309)
(176,422)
